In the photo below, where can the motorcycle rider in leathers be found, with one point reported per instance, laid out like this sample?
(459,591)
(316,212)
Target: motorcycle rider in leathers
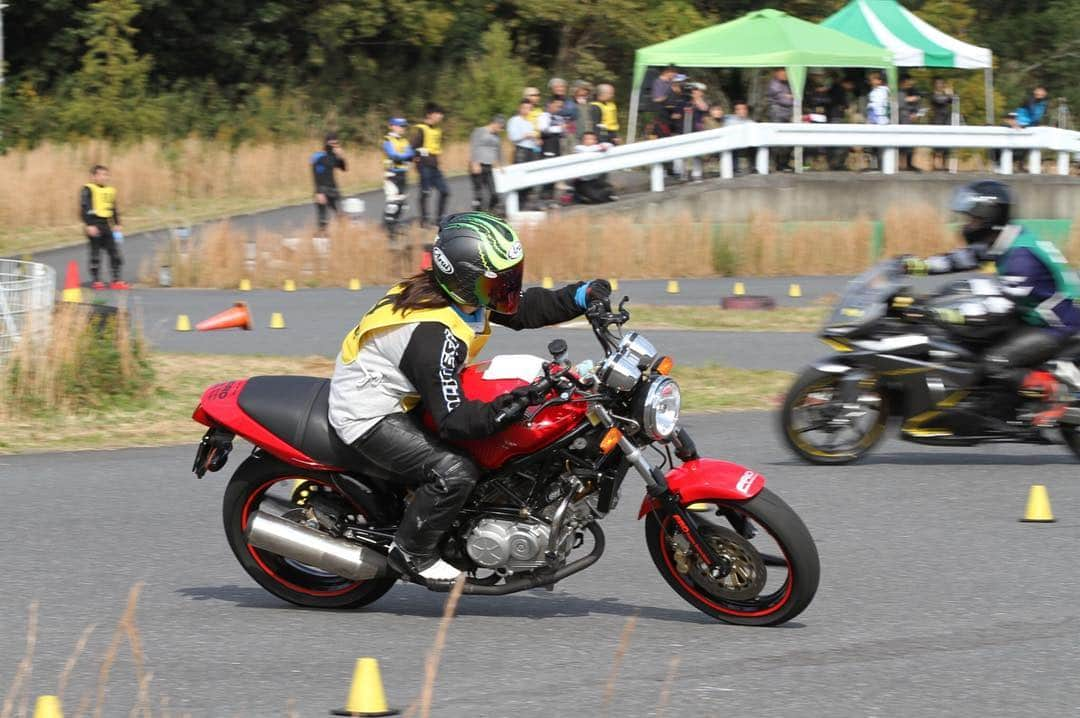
(1032,273)
(407,352)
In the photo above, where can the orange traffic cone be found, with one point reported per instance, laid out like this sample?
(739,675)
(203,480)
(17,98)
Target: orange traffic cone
(236,316)
(72,292)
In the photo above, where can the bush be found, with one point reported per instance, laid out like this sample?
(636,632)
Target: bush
(92,361)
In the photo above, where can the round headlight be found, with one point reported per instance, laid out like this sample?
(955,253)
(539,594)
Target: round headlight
(662,402)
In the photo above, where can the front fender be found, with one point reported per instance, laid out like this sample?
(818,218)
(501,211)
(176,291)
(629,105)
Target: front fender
(709,479)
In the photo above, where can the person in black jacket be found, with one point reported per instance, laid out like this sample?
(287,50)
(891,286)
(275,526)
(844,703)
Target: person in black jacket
(101,224)
(409,350)
(323,164)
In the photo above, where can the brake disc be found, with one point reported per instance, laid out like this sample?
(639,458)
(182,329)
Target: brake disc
(747,576)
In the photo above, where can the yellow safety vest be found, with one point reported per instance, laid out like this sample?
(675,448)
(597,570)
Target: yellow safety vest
(534,114)
(383,316)
(432,138)
(609,115)
(102,200)
(399,144)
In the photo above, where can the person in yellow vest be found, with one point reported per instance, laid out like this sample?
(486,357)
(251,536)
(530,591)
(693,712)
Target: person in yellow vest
(397,153)
(101,225)
(605,114)
(407,353)
(532,96)
(427,141)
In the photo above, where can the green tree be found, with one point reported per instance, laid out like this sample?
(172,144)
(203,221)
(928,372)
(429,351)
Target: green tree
(109,92)
(489,84)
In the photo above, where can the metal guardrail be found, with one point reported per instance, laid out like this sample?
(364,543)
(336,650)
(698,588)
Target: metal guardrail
(27,295)
(761,136)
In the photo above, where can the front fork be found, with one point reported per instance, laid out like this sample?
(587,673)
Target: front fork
(668,502)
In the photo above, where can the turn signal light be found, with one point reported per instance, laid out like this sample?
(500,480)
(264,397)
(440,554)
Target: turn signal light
(610,440)
(665,365)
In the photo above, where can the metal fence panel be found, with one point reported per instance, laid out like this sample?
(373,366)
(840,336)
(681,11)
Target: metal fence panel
(27,295)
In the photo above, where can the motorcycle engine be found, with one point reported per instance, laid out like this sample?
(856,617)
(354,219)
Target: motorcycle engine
(505,544)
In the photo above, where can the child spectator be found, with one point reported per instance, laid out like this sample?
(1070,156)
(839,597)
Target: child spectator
(593,189)
(485,146)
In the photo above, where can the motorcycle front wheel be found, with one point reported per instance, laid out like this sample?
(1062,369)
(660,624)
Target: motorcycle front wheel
(822,429)
(283,490)
(774,561)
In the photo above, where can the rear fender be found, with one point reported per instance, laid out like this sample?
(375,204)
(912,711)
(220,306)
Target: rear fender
(709,479)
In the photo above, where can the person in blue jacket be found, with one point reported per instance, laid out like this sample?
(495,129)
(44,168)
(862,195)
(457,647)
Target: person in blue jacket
(1033,111)
(323,164)
(398,152)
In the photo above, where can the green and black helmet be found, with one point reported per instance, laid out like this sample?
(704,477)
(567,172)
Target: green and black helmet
(478,260)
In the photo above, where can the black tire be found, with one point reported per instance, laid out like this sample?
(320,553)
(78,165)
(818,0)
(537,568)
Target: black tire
(807,382)
(280,577)
(1071,435)
(788,531)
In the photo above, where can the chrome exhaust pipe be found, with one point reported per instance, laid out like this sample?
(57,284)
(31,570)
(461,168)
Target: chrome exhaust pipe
(314,548)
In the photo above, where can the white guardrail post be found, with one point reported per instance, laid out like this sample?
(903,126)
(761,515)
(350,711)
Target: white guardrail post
(763,136)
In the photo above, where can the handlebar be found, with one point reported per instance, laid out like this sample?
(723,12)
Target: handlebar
(541,386)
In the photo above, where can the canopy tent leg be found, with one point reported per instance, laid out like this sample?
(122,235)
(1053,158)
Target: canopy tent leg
(988,78)
(635,102)
(797,117)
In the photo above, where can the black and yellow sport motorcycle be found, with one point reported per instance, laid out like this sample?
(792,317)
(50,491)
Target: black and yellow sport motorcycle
(897,355)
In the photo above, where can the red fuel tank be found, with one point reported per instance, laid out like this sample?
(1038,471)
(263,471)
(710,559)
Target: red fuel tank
(517,439)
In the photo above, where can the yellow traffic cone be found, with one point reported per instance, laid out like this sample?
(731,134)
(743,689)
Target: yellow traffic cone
(739,290)
(366,696)
(47,707)
(672,286)
(354,285)
(794,291)
(614,284)
(183,324)
(289,286)
(245,285)
(277,321)
(1038,506)
(547,283)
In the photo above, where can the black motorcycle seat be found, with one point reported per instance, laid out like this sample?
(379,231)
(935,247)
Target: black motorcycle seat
(296,410)
(1071,349)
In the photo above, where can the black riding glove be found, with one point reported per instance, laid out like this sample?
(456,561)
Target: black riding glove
(507,409)
(599,290)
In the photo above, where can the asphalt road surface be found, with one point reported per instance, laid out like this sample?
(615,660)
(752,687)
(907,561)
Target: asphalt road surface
(934,600)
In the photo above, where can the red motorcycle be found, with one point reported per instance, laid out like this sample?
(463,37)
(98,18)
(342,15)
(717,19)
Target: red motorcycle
(313,530)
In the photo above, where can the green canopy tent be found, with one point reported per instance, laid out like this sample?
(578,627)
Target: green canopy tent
(765,38)
(913,41)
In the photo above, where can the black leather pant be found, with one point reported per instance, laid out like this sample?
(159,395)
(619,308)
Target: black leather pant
(443,478)
(1009,361)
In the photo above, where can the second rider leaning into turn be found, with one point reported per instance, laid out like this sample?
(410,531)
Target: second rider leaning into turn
(408,351)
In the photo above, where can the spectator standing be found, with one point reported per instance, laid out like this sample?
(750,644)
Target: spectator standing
(532,94)
(661,86)
(910,111)
(741,116)
(397,154)
(552,126)
(593,189)
(675,106)
(526,140)
(877,110)
(781,107)
(715,118)
(1033,111)
(605,114)
(323,165)
(697,107)
(941,104)
(582,91)
(101,224)
(485,148)
(427,141)
(557,88)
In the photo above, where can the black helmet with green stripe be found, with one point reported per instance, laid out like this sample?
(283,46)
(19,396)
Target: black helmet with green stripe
(477,260)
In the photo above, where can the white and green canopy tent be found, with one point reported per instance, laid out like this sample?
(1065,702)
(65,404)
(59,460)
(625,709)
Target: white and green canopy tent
(913,41)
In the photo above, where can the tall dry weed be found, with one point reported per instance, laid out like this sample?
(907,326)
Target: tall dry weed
(918,229)
(158,182)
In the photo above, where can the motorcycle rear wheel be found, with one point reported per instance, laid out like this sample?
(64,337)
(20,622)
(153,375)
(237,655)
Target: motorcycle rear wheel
(737,598)
(808,383)
(287,579)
